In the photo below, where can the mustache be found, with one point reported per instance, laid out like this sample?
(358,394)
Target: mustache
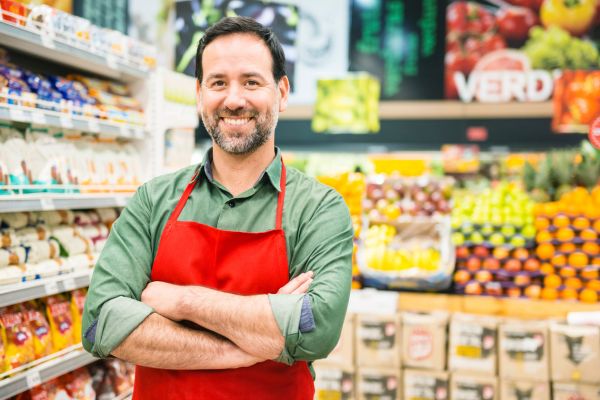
(236,114)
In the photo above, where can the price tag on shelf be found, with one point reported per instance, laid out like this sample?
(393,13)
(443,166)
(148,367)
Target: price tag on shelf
(111,61)
(51,288)
(38,117)
(66,121)
(69,284)
(33,379)
(47,204)
(93,125)
(120,201)
(16,114)
(47,40)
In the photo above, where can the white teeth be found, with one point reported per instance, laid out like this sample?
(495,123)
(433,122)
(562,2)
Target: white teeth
(236,121)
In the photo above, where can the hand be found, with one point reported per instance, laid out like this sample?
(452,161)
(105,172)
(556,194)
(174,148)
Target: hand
(165,299)
(298,285)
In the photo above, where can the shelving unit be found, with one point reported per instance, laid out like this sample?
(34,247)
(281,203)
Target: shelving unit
(60,201)
(43,370)
(24,291)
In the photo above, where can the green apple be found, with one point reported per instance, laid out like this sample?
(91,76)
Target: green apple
(528,231)
(508,230)
(476,238)
(487,229)
(517,241)
(458,238)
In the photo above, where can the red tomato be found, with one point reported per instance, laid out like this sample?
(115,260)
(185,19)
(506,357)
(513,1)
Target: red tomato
(532,4)
(492,43)
(514,23)
(456,17)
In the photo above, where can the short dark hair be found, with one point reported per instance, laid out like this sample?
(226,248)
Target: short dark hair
(231,25)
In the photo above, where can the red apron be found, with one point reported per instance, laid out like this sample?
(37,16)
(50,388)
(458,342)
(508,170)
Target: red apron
(190,253)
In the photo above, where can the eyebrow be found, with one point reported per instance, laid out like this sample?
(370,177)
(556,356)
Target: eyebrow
(245,75)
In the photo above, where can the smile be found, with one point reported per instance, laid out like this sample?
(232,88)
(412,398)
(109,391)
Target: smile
(236,121)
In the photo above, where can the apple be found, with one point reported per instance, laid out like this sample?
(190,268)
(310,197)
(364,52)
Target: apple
(493,288)
(462,277)
(462,252)
(458,238)
(487,229)
(473,264)
(528,231)
(481,251)
(476,238)
(483,276)
(491,264)
(531,265)
(512,265)
(513,292)
(497,239)
(522,279)
(473,288)
(500,253)
(517,241)
(508,230)
(521,253)
(533,291)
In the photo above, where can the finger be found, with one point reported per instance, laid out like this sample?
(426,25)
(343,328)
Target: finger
(302,289)
(295,283)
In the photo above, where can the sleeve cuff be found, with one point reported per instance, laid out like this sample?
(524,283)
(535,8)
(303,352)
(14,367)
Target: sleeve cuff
(118,318)
(307,320)
(287,309)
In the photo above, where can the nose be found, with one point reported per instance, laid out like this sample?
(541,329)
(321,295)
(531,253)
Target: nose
(234,99)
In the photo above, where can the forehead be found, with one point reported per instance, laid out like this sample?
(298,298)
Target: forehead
(236,52)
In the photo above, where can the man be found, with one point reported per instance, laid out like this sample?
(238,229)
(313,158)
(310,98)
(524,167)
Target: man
(210,249)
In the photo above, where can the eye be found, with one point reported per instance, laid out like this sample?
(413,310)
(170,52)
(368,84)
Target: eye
(252,83)
(217,84)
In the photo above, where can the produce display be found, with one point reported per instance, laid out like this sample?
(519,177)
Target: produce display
(72,94)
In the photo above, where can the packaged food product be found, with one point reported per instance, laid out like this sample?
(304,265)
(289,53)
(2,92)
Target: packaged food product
(59,217)
(8,238)
(524,350)
(473,344)
(575,391)
(520,389)
(107,215)
(9,275)
(473,387)
(79,384)
(17,256)
(378,383)
(19,340)
(44,269)
(117,372)
(378,341)
(35,316)
(56,390)
(61,322)
(424,340)
(77,304)
(333,382)
(426,385)
(575,353)
(41,250)
(15,220)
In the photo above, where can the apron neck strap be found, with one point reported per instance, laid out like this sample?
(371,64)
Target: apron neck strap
(196,178)
(279,216)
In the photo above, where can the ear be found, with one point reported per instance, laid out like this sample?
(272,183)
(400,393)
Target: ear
(284,91)
(198,96)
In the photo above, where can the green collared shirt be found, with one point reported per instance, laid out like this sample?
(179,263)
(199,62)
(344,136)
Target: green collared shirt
(318,233)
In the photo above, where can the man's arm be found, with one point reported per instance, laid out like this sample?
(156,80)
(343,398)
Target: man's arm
(161,343)
(227,313)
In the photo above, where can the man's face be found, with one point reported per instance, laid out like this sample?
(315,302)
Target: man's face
(238,98)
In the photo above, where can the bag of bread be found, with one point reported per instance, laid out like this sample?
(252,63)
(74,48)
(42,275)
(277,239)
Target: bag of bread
(61,322)
(19,340)
(77,304)
(35,316)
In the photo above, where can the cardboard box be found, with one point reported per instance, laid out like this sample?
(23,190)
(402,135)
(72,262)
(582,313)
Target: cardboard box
(424,340)
(343,353)
(523,350)
(473,344)
(575,353)
(575,391)
(378,383)
(524,390)
(473,387)
(378,341)
(418,384)
(334,382)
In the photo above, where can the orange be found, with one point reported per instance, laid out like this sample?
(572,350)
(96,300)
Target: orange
(561,221)
(588,296)
(594,285)
(521,254)
(500,253)
(559,260)
(589,273)
(568,294)
(552,281)
(538,209)
(573,283)
(578,259)
(596,261)
(597,225)
(581,195)
(549,293)
(591,248)
(565,234)
(568,247)
(533,291)
(543,236)
(596,194)
(551,209)
(573,210)
(588,234)
(567,272)
(547,268)
(545,251)
(541,223)
(581,223)
(592,211)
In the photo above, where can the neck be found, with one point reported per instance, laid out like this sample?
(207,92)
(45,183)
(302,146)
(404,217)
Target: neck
(239,172)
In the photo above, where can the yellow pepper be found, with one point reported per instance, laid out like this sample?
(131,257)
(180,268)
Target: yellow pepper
(574,16)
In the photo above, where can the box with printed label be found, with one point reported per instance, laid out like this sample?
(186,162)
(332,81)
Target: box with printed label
(343,353)
(334,382)
(473,387)
(424,340)
(575,391)
(420,384)
(378,384)
(473,345)
(575,353)
(524,390)
(523,350)
(378,341)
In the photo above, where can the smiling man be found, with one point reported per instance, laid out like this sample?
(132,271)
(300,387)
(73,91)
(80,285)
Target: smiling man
(226,279)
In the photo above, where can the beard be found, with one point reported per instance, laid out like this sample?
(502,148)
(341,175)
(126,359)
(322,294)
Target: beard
(237,142)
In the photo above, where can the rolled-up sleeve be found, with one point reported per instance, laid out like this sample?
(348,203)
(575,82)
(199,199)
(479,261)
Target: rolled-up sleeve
(325,247)
(113,308)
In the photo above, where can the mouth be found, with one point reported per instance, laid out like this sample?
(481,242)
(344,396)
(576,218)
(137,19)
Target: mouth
(235,121)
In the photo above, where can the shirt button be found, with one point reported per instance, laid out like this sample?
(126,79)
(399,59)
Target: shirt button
(231,203)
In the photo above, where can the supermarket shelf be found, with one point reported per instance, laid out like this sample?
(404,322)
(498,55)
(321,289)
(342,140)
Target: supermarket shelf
(30,41)
(24,291)
(125,396)
(12,112)
(487,305)
(59,201)
(442,109)
(53,366)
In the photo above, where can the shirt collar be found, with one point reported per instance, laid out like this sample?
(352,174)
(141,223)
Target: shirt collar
(273,171)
